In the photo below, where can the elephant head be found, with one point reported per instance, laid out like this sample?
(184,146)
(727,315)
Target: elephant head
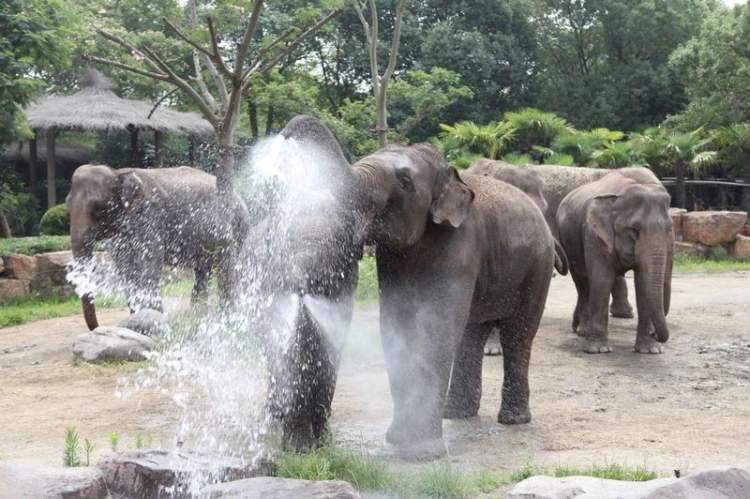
(404,188)
(633,230)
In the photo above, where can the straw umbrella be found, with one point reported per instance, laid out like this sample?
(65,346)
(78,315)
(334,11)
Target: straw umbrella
(96,107)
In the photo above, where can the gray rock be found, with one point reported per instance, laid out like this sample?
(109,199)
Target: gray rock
(147,321)
(158,474)
(112,343)
(280,488)
(719,483)
(19,479)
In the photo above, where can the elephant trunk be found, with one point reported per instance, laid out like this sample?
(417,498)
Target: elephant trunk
(82,244)
(650,279)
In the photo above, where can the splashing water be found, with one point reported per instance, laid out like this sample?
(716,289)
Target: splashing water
(213,363)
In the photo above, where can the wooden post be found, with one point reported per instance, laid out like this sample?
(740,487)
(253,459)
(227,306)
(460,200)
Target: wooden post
(51,174)
(33,181)
(134,146)
(158,159)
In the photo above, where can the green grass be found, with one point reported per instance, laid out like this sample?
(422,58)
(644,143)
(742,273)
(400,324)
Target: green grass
(712,264)
(436,480)
(37,308)
(367,287)
(34,245)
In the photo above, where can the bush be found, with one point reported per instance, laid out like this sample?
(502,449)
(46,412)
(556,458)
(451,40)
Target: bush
(19,207)
(56,221)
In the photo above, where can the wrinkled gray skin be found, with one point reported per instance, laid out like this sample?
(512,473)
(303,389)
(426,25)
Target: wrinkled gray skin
(619,223)
(557,182)
(447,251)
(322,250)
(153,218)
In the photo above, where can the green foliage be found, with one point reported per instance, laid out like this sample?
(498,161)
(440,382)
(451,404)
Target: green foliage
(608,471)
(533,127)
(488,141)
(138,441)
(710,264)
(32,308)
(516,158)
(34,245)
(367,287)
(19,207)
(71,448)
(88,449)
(56,221)
(114,440)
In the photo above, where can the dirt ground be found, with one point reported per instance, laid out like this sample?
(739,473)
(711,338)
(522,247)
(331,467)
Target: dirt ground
(686,409)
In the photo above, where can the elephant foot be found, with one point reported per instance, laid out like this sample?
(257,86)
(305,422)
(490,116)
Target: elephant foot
(648,345)
(396,436)
(580,331)
(460,410)
(514,416)
(621,311)
(597,346)
(493,347)
(426,450)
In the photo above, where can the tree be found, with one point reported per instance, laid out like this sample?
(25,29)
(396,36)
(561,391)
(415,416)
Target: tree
(533,127)
(466,141)
(380,82)
(582,145)
(733,143)
(34,43)
(230,78)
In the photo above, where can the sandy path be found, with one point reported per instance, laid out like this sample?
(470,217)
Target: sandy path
(685,409)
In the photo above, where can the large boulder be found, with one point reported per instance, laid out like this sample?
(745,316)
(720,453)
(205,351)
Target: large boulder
(20,266)
(720,483)
(676,215)
(163,474)
(147,321)
(112,344)
(280,488)
(13,288)
(52,267)
(21,480)
(740,248)
(690,249)
(712,228)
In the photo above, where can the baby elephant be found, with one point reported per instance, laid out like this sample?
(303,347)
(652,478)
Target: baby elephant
(618,223)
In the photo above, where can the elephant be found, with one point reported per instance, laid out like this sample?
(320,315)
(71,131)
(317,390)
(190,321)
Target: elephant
(457,255)
(152,218)
(618,223)
(310,265)
(557,182)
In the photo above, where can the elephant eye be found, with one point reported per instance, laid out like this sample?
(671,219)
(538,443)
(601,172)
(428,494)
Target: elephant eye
(405,180)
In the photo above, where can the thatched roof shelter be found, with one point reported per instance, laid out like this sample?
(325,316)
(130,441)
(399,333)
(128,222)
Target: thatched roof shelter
(96,108)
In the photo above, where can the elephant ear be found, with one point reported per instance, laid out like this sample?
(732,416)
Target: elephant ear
(132,192)
(452,205)
(599,220)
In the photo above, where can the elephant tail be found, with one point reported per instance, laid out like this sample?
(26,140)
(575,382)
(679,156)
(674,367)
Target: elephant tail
(561,259)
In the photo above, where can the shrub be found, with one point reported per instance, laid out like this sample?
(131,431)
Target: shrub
(20,208)
(56,221)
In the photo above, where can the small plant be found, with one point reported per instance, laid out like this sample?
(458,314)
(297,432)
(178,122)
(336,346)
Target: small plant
(56,221)
(138,440)
(72,448)
(114,439)
(88,449)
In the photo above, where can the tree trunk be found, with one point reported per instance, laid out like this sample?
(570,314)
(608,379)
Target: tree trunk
(226,161)
(679,184)
(5,231)
(33,178)
(746,179)
(134,147)
(382,124)
(269,121)
(252,113)
(158,156)
(51,167)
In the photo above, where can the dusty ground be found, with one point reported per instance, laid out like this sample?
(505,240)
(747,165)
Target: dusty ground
(685,409)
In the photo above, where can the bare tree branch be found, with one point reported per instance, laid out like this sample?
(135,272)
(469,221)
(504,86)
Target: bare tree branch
(280,39)
(158,103)
(217,58)
(185,38)
(244,46)
(197,58)
(126,67)
(393,56)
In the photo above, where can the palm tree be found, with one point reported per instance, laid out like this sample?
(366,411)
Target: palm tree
(535,128)
(489,140)
(583,144)
(615,155)
(735,141)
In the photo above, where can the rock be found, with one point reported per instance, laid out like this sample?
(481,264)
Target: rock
(162,474)
(690,249)
(112,343)
(740,248)
(20,266)
(147,321)
(719,483)
(19,479)
(13,288)
(51,268)
(676,215)
(280,488)
(712,228)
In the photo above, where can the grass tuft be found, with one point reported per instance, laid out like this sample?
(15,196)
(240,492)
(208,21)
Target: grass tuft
(711,264)
(36,308)
(71,448)
(34,245)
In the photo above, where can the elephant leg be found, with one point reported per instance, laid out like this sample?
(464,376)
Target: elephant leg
(492,346)
(620,306)
(465,390)
(580,314)
(202,276)
(601,280)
